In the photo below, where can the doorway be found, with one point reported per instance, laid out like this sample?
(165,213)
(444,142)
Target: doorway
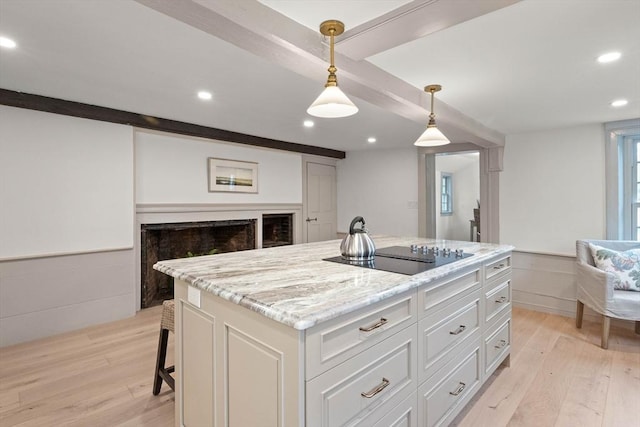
(320,209)
(457,196)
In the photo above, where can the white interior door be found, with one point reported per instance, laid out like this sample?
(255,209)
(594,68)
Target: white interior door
(322,215)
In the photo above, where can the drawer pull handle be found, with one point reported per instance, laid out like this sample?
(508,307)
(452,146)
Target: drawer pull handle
(459,330)
(376,325)
(501,300)
(459,390)
(501,344)
(498,267)
(369,394)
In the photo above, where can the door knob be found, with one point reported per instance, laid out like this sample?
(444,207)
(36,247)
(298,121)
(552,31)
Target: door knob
(311,219)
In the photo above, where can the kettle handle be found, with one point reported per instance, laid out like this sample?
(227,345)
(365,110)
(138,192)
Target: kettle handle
(354,222)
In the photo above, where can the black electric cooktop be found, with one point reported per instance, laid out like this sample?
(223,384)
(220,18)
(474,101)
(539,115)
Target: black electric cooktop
(407,260)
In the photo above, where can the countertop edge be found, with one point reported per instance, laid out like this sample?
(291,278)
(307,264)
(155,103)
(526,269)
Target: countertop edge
(303,323)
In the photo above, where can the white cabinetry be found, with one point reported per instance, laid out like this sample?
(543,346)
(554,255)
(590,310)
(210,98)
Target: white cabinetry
(497,309)
(412,359)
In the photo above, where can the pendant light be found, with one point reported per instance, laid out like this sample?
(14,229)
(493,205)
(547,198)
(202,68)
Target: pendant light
(332,102)
(432,137)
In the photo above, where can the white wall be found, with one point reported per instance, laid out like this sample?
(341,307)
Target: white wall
(465,170)
(67,212)
(552,192)
(58,181)
(173,169)
(382,187)
(552,189)
(66,186)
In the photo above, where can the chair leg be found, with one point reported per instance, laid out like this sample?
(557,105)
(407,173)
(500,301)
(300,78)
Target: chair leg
(606,325)
(579,313)
(638,327)
(162,355)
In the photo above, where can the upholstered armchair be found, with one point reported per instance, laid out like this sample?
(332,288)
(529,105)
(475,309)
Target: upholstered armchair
(595,288)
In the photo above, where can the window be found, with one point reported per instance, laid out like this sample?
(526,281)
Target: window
(446,194)
(622,160)
(636,192)
(631,182)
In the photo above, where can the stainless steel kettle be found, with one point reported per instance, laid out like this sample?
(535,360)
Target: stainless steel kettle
(357,245)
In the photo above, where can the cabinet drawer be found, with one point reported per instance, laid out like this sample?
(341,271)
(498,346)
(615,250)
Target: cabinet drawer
(441,397)
(350,392)
(497,267)
(498,344)
(498,300)
(444,330)
(435,295)
(337,340)
(403,415)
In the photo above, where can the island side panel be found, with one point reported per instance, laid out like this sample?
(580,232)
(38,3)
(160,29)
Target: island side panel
(256,375)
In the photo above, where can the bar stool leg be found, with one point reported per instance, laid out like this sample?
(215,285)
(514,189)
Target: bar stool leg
(162,356)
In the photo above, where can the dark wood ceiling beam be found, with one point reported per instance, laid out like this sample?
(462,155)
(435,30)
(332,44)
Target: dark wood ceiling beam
(95,112)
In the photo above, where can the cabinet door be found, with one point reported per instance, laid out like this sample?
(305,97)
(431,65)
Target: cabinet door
(234,367)
(197,363)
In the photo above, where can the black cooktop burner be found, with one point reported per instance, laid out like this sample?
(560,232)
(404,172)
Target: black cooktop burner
(406,260)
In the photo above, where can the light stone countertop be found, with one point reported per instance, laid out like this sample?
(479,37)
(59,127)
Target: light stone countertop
(294,286)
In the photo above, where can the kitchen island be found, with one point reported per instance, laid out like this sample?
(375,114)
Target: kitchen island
(280,337)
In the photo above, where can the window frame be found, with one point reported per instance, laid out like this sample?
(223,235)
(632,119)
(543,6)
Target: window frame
(621,170)
(446,193)
(631,201)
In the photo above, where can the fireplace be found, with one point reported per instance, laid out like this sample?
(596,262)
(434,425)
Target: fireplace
(186,239)
(277,230)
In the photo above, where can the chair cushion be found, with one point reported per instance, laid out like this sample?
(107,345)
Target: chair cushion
(624,266)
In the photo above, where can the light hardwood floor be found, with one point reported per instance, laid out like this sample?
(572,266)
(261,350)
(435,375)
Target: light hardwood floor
(102,376)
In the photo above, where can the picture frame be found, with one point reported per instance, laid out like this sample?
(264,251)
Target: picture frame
(232,176)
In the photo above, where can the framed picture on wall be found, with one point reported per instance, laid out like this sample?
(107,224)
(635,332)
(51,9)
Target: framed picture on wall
(233,176)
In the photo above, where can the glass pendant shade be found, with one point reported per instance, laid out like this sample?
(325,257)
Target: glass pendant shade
(431,137)
(332,103)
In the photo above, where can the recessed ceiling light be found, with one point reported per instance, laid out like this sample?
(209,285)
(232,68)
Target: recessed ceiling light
(203,94)
(609,57)
(7,42)
(371,140)
(619,103)
(308,123)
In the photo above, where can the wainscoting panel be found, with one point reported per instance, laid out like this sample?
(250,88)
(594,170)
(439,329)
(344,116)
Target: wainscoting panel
(49,295)
(547,283)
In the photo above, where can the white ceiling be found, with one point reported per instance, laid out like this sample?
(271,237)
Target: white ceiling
(524,67)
